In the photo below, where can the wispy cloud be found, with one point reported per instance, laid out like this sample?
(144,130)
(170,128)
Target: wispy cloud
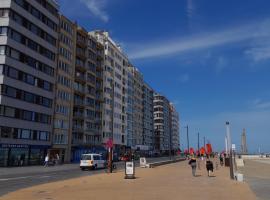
(260,104)
(183,78)
(190,8)
(221,64)
(96,7)
(202,41)
(259,53)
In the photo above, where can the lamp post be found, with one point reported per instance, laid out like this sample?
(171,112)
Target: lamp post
(198,142)
(187,139)
(229,143)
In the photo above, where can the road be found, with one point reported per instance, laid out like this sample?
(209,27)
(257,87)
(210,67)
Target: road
(12,179)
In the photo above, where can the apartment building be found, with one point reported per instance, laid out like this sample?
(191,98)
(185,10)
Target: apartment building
(131,139)
(137,108)
(162,123)
(148,117)
(28,49)
(62,126)
(115,92)
(175,134)
(88,95)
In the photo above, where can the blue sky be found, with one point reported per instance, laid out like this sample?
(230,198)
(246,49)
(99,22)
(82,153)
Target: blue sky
(211,58)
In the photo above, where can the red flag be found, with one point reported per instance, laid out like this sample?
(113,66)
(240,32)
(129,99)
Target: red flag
(202,151)
(209,148)
(191,150)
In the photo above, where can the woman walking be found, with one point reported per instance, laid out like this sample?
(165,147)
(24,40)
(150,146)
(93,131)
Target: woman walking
(193,165)
(209,166)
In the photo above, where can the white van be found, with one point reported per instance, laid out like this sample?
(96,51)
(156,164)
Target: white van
(92,161)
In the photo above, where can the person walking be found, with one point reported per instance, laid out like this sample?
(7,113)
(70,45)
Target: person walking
(46,163)
(192,163)
(209,166)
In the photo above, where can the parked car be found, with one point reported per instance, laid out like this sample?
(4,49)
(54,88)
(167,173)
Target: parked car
(92,161)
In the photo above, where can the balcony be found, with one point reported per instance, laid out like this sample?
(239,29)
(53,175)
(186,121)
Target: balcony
(77,128)
(99,75)
(78,102)
(78,114)
(80,79)
(81,90)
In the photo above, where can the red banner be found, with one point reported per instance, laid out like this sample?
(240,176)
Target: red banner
(209,148)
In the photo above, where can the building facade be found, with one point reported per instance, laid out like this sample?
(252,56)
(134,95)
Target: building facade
(137,108)
(88,95)
(28,59)
(148,117)
(115,92)
(175,134)
(162,123)
(63,112)
(131,139)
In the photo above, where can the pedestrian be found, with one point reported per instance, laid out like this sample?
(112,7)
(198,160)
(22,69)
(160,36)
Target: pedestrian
(221,159)
(192,163)
(209,166)
(46,163)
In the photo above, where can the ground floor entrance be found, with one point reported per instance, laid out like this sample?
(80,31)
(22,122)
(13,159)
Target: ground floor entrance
(12,155)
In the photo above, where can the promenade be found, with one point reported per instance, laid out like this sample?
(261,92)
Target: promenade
(173,181)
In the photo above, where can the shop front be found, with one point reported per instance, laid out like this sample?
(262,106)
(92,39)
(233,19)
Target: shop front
(12,155)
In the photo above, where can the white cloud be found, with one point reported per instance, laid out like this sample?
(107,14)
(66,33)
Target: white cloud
(184,78)
(259,53)
(202,41)
(260,104)
(96,7)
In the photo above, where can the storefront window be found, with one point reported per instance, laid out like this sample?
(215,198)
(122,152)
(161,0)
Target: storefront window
(36,157)
(18,157)
(3,157)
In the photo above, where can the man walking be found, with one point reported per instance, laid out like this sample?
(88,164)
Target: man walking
(46,163)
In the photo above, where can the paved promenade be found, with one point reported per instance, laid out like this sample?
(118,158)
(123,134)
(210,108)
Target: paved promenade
(167,182)
(257,175)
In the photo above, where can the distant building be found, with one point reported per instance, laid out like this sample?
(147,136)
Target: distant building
(244,142)
(115,92)
(148,117)
(162,123)
(175,134)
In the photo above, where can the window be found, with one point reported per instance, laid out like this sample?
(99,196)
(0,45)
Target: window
(9,112)
(25,134)
(4,12)
(5,132)
(27,115)
(10,91)
(3,30)
(2,50)
(43,135)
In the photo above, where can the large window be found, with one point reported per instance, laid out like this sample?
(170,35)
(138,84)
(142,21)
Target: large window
(23,58)
(33,28)
(24,114)
(27,78)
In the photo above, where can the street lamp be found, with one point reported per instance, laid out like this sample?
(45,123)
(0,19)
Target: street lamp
(229,144)
(187,138)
